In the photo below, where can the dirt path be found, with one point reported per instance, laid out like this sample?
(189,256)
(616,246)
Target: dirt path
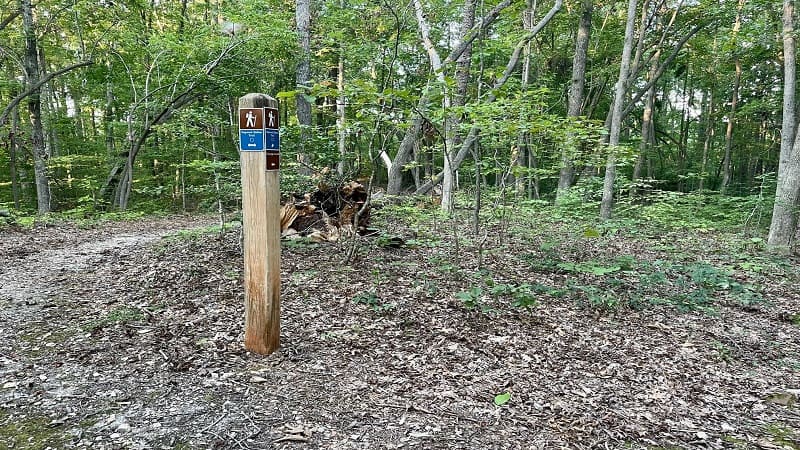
(43,318)
(123,337)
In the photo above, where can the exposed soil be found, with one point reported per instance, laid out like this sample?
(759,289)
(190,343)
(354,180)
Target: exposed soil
(130,336)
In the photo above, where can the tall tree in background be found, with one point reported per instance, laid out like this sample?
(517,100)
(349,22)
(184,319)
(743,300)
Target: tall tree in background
(575,105)
(303,24)
(620,90)
(784,213)
(32,75)
(491,96)
(341,113)
(412,132)
(727,168)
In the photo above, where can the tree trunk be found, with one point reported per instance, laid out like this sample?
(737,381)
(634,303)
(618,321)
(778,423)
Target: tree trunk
(406,147)
(341,130)
(13,150)
(518,158)
(32,73)
(108,119)
(683,135)
(616,116)
(303,78)
(726,160)
(784,213)
(647,124)
(48,103)
(708,139)
(452,121)
(574,107)
(727,166)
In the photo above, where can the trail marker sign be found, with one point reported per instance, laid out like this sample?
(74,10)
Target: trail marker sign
(261,227)
(272,119)
(251,129)
(272,138)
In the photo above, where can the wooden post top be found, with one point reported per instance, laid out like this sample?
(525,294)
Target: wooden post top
(256,100)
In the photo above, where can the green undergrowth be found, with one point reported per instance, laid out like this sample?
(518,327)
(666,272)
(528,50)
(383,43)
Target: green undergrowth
(78,217)
(30,432)
(118,316)
(691,252)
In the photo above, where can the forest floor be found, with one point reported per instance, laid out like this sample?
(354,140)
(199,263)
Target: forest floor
(535,334)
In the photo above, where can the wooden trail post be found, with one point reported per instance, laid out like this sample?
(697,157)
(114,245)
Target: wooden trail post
(259,145)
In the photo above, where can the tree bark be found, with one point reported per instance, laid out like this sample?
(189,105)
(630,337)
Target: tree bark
(452,121)
(727,166)
(647,124)
(341,125)
(784,213)
(32,74)
(726,160)
(708,138)
(574,107)
(303,78)
(13,151)
(616,117)
(518,156)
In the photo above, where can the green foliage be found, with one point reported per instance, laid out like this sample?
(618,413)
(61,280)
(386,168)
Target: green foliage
(588,267)
(522,296)
(119,316)
(502,399)
(31,432)
(371,299)
(471,298)
(598,298)
(299,243)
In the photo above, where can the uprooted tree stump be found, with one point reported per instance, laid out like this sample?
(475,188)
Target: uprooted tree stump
(327,213)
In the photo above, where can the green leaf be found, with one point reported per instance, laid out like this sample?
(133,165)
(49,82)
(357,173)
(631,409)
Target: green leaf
(502,399)
(286,94)
(591,233)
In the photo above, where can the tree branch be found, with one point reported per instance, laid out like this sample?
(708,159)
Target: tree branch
(10,18)
(512,63)
(15,101)
(660,71)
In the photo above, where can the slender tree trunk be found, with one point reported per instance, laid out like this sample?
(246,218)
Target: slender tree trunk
(108,119)
(13,151)
(647,124)
(406,147)
(616,117)
(574,107)
(518,158)
(32,73)
(727,166)
(48,104)
(708,138)
(452,121)
(683,135)
(464,62)
(341,125)
(217,179)
(303,79)
(784,213)
(726,160)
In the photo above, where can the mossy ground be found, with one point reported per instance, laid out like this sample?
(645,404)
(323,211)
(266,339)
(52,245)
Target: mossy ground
(30,432)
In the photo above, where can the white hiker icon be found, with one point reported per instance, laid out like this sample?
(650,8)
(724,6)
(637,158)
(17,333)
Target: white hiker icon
(271,119)
(251,119)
